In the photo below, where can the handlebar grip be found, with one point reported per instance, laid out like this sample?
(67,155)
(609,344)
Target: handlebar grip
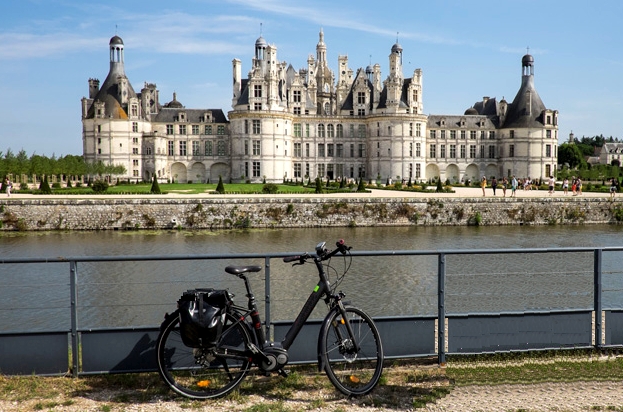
(341,246)
(289,259)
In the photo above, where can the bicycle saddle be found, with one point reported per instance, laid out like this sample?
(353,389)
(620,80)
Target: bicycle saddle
(237,270)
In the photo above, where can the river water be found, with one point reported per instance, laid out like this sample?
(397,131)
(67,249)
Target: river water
(119,294)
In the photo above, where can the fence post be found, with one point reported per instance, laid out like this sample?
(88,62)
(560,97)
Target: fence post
(597,295)
(267,297)
(73,289)
(441,308)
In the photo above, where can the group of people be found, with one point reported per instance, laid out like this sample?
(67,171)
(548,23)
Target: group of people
(504,184)
(8,185)
(575,183)
(576,186)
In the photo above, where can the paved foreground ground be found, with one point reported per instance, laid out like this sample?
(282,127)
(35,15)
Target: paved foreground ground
(559,397)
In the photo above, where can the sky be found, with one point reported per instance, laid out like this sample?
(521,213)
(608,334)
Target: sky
(466,50)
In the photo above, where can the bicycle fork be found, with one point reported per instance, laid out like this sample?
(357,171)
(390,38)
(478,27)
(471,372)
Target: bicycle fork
(347,344)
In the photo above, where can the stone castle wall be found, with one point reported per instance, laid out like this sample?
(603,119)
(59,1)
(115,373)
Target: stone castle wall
(132,214)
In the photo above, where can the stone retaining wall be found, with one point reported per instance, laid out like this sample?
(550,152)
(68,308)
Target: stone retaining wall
(125,214)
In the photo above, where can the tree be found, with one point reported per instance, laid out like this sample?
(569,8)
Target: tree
(220,188)
(570,154)
(318,185)
(45,186)
(361,187)
(155,187)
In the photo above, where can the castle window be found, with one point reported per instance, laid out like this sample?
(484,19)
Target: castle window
(208,129)
(256,127)
(182,128)
(182,148)
(462,151)
(321,130)
(256,169)
(442,151)
(208,148)
(418,129)
(195,129)
(548,134)
(433,134)
(492,135)
(452,134)
(491,152)
(330,132)
(462,134)
(548,151)
(296,96)
(472,134)
(321,150)
(339,130)
(511,134)
(135,127)
(169,129)
(256,148)
(257,90)
(170,148)
(511,150)
(433,151)
(361,98)
(195,144)
(361,112)
(220,130)
(297,130)
(297,111)
(362,130)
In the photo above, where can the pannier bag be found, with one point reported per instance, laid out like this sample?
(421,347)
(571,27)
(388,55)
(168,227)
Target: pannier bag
(201,316)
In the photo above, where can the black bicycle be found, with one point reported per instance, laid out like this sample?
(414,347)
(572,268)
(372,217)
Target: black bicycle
(349,345)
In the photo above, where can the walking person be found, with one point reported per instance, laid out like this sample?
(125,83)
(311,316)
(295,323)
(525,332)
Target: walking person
(565,186)
(551,184)
(504,184)
(514,187)
(9,186)
(494,184)
(613,188)
(579,187)
(483,184)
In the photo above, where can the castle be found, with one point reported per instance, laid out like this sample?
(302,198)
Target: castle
(289,124)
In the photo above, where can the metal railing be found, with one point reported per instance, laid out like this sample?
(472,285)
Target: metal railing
(446,332)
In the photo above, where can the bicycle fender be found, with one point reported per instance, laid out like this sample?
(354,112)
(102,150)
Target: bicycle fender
(167,319)
(323,328)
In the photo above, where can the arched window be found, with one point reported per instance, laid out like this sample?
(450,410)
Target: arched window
(340,130)
(321,130)
(330,132)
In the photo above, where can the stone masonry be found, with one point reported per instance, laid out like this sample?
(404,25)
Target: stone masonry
(147,214)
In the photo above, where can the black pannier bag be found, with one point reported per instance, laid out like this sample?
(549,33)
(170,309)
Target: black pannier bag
(201,316)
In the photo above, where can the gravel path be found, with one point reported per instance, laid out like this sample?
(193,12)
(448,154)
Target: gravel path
(559,397)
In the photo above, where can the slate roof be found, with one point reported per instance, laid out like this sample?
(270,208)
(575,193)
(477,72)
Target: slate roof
(169,115)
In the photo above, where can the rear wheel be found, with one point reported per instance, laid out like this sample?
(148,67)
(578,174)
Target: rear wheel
(353,363)
(203,373)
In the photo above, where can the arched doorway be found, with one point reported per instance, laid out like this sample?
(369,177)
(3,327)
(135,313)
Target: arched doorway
(179,173)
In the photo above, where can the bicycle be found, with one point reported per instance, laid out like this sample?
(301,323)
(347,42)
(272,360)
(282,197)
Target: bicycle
(349,346)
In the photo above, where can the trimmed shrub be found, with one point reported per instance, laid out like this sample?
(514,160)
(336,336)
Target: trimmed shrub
(220,188)
(99,186)
(155,187)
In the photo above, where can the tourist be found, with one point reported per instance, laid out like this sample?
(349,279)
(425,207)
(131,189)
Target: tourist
(565,186)
(483,184)
(514,187)
(579,187)
(613,188)
(527,184)
(551,183)
(574,186)
(504,185)
(494,184)
(9,186)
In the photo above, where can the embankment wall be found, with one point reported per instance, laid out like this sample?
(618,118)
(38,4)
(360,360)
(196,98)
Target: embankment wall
(132,214)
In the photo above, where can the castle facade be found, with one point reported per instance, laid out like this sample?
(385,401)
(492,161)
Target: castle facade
(307,123)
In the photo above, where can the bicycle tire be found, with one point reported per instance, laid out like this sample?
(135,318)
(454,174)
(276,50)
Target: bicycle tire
(203,373)
(352,373)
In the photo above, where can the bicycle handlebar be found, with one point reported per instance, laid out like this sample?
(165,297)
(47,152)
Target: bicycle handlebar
(322,254)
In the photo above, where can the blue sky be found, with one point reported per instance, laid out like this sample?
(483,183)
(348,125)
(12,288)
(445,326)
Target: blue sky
(466,50)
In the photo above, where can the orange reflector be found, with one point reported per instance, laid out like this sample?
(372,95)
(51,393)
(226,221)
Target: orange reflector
(203,384)
(342,320)
(354,379)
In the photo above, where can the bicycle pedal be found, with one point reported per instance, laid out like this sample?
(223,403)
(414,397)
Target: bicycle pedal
(284,373)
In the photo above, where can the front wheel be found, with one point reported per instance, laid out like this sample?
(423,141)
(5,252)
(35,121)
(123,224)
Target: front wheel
(353,362)
(203,373)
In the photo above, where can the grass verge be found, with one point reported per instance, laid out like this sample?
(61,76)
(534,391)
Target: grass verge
(404,385)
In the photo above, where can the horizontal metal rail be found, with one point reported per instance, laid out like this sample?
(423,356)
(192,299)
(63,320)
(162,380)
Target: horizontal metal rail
(446,326)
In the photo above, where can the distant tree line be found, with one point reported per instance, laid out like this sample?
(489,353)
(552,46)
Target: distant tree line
(69,165)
